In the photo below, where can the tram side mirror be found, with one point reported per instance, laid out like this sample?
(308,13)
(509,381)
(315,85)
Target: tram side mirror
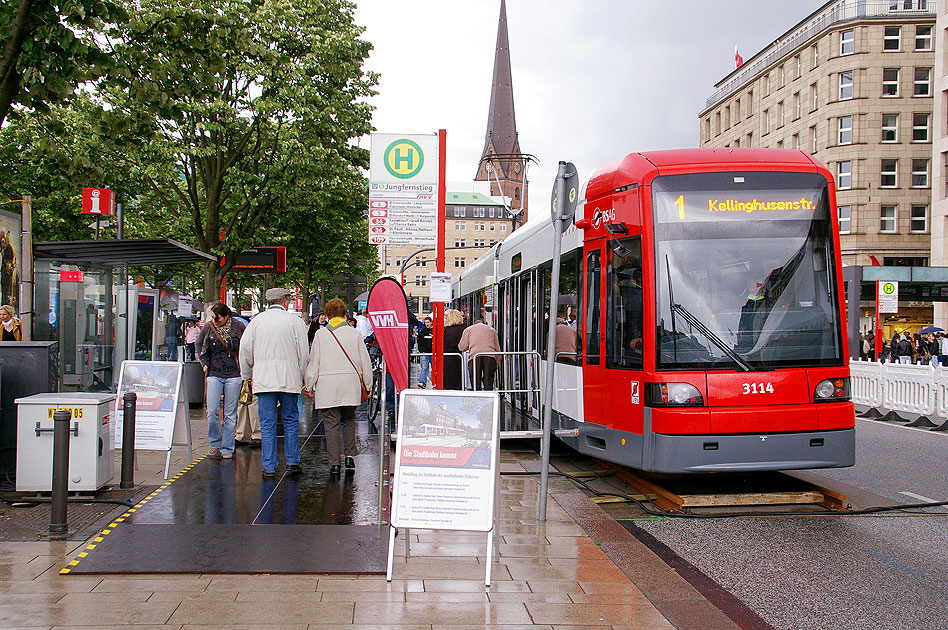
(621,250)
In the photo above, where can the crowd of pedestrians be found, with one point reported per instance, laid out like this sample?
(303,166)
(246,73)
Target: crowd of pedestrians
(907,347)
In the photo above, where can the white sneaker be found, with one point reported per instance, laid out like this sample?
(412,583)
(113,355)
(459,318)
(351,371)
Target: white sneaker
(227,455)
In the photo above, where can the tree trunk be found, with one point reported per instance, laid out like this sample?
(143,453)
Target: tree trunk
(212,283)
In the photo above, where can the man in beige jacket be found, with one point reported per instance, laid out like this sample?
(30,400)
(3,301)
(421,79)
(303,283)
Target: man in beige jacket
(480,340)
(274,352)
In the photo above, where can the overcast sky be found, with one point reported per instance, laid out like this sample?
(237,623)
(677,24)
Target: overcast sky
(593,80)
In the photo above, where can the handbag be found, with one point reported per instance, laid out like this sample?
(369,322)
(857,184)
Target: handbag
(365,392)
(246,392)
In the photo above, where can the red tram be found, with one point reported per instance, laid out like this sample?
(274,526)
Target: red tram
(699,326)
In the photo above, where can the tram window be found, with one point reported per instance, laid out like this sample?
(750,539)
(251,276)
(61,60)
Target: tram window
(544,278)
(567,335)
(624,308)
(591,320)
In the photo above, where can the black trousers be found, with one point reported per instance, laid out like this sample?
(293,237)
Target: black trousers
(483,369)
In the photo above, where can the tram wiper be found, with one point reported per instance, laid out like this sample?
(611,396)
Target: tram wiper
(697,323)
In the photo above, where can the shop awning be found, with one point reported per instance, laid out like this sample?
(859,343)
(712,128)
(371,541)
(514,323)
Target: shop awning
(133,252)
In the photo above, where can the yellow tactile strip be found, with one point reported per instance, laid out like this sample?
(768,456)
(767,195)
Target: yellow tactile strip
(108,530)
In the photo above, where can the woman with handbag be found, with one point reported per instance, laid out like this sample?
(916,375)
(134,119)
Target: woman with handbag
(339,376)
(219,343)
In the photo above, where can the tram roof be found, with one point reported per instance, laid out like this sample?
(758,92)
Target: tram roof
(636,167)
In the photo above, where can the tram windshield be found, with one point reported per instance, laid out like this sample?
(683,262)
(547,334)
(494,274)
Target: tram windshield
(745,272)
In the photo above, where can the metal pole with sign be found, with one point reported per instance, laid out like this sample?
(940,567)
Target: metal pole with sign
(563,206)
(887,301)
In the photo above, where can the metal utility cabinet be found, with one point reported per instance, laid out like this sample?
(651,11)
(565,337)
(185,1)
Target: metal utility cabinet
(91,455)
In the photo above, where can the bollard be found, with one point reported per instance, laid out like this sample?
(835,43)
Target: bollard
(128,440)
(57,515)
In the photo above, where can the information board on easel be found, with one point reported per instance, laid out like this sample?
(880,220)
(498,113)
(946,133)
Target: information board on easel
(161,410)
(446,464)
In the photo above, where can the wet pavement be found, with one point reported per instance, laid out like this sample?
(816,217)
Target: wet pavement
(577,569)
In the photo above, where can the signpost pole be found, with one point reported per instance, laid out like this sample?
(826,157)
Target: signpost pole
(437,343)
(559,202)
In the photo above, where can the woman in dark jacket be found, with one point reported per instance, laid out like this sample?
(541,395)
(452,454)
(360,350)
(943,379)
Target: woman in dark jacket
(218,345)
(453,329)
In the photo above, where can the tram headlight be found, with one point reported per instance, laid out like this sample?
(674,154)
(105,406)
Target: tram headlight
(674,395)
(832,389)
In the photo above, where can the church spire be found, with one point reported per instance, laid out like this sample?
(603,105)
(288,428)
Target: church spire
(501,137)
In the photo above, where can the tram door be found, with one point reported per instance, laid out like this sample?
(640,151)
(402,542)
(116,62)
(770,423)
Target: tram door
(594,373)
(531,364)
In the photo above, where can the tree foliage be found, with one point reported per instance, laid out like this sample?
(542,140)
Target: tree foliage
(49,48)
(227,109)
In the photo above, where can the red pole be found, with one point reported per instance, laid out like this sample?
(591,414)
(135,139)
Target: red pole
(223,294)
(878,327)
(437,341)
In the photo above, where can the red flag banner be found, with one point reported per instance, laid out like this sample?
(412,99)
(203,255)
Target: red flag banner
(738,60)
(388,313)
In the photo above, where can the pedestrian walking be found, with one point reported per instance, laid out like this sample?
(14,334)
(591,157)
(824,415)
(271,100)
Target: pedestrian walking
(338,370)
(273,356)
(480,340)
(191,333)
(425,336)
(453,329)
(220,342)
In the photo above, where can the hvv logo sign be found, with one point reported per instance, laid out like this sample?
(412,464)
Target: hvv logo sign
(386,319)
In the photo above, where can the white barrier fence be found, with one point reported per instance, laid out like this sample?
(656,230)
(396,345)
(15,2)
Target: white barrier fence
(918,389)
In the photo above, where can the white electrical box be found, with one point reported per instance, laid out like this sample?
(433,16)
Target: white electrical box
(91,458)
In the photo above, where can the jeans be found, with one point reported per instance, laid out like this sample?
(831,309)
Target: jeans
(218,437)
(425,368)
(289,405)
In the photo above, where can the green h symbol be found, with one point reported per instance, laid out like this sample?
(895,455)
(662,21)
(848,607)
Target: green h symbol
(408,157)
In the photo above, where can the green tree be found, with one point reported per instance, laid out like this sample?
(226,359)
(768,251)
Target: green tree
(223,101)
(49,48)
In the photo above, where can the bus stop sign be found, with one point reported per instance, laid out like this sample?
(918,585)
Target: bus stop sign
(568,211)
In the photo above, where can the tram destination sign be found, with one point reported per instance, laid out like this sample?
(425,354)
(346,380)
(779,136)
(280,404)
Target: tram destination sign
(403,189)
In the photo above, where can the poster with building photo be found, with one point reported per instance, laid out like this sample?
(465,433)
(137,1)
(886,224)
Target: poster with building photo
(157,385)
(10,229)
(445,463)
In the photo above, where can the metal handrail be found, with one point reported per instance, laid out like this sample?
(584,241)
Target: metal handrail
(510,353)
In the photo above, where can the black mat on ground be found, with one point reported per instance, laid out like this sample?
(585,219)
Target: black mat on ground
(341,549)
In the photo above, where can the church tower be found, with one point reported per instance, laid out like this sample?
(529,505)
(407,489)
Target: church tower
(501,162)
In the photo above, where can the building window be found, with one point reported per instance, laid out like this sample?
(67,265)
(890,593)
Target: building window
(890,127)
(923,82)
(813,139)
(919,223)
(766,85)
(920,126)
(845,135)
(398,262)
(750,103)
(889,173)
(750,140)
(737,111)
(845,218)
(459,243)
(847,42)
(815,54)
(798,65)
(845,85)
(766,121)
(796,141)
(492,227)
(796,106)
(458,263)
(887,220)
(844,175)
(503,227)
(815,102)
(890,82)
(892,41)
(779,144)
(923,38)
(920,173)
(780,117)
(460,211)
(945,161)
(491,212)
